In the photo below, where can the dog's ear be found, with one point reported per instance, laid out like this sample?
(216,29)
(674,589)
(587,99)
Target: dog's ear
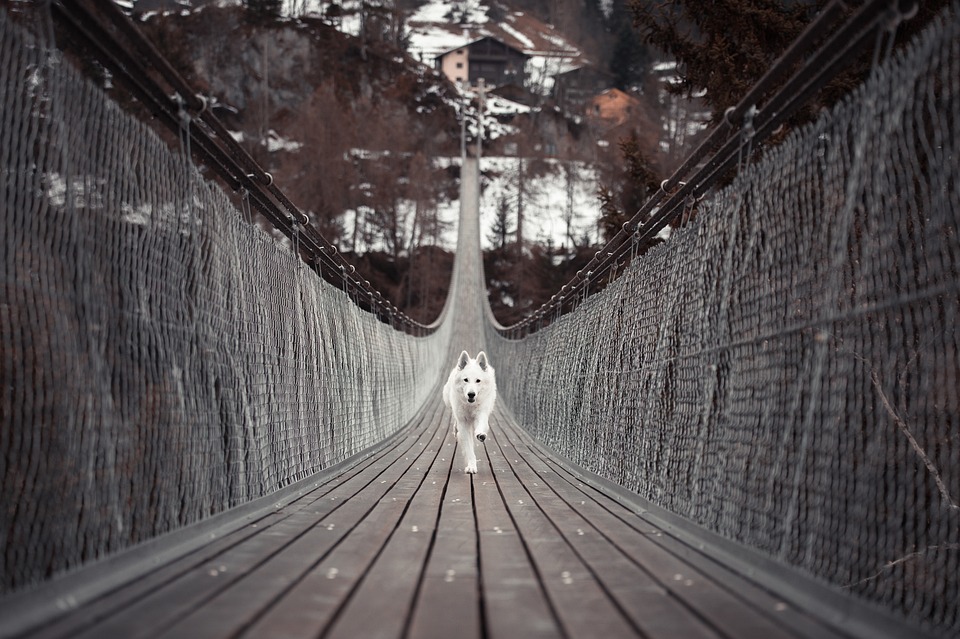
(464,360)
(482,360)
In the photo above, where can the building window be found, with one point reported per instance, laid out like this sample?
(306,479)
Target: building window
(459,65)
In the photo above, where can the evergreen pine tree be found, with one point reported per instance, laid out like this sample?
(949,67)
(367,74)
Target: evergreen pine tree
(264,9)
(627,63)
(725,46)
(638,182)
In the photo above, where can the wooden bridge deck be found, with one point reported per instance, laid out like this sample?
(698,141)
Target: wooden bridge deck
(403,544)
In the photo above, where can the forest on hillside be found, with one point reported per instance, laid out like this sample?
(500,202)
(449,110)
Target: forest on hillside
(360,134)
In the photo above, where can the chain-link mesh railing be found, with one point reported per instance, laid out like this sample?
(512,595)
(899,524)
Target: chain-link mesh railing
(161,358)
(785,370)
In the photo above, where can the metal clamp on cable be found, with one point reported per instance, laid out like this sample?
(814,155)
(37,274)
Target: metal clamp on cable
(748,129)
(901,11)
(204,103)
(182,112)
(728,116)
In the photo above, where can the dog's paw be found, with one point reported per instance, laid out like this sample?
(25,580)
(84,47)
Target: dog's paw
(481,437)
(471,469)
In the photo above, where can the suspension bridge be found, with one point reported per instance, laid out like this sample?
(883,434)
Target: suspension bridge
(750,431)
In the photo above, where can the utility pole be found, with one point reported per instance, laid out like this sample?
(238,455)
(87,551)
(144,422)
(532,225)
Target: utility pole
(463,124)
(265,86)
(480,88)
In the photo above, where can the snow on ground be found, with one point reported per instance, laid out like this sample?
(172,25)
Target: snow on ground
(541,70)
(548,204)
(563,196)
(439,11)
(432,42)
(276,142)
(564,193)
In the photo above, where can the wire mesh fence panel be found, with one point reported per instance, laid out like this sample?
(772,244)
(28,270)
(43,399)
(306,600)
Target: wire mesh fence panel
(161,358)
(785,370)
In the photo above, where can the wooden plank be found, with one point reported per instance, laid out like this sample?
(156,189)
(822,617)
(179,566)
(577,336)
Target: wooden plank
(448,600)
(513,602)
(339,544)
(798,621)
(579,600)
(406,545)
(727,601)
(705,570)
(113,603)
(175,600)
(653,610)
(389,586)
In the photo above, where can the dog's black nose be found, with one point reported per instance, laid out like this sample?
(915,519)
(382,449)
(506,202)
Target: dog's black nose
(481,437)
(470,396)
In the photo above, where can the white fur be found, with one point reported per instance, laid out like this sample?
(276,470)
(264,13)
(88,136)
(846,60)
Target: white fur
(470,392)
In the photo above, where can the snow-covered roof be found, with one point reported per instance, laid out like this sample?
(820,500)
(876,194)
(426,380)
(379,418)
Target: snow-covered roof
(473,42)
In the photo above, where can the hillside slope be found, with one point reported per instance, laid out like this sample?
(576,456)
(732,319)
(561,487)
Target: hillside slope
(361,137)
(351,133)
(305,99)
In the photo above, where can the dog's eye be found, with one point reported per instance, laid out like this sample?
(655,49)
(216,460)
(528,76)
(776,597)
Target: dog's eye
(466,380)
(478,381)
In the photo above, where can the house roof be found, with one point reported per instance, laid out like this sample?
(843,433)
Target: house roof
(615,96)
(478,40)
(586,69)
(613,105)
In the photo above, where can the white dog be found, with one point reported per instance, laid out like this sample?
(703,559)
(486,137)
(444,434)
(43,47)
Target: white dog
(470,393)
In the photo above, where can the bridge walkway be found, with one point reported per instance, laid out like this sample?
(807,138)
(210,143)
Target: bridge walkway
(402,543)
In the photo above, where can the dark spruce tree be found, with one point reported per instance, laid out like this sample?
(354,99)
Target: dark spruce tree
(264,9)
(725,46)
(638,182)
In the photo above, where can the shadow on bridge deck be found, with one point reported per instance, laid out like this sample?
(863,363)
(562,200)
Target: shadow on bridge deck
(402,543)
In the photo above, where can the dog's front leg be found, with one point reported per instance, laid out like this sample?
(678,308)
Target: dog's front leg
(465,441)
(482,429)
